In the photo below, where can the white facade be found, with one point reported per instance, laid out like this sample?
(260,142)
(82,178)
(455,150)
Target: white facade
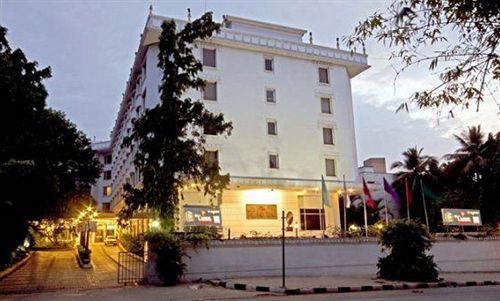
(101,190)
(241,48)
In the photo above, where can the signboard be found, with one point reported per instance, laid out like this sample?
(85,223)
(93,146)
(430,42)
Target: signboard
(202,216)
(258,211)
(461,217)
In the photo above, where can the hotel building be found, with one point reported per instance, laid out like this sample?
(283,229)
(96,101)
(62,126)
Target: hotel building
(290,104)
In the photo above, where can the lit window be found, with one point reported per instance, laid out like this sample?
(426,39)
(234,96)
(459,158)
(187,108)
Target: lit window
(209,57)
(272,128)
(212,157)
(269,64)
(323,75)
(330,167)
(210,91)
(107,175)
(106,190)
(273,161)
(312,219)
(326,106)
(271,95)
(327,135)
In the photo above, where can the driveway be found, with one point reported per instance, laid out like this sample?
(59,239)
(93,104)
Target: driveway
(53,270)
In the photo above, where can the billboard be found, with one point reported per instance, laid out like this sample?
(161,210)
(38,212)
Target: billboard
(461,217)
(202,216)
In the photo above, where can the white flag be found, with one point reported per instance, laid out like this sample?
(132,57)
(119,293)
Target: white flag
(348,201)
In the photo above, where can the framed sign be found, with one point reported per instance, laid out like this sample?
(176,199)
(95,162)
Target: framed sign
(261,211)
(461,217)
(202,216)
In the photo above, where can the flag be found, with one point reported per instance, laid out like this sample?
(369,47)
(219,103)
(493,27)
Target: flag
(408,193)
(370,202)
(429,193)
(324,192)
(388,188)
(348,200)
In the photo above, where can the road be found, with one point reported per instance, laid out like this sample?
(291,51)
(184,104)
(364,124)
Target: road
(53,270)
(194,292)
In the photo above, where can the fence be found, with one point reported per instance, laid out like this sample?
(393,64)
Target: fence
(130,268)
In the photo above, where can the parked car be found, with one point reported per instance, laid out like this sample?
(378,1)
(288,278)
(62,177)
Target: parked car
(110,240)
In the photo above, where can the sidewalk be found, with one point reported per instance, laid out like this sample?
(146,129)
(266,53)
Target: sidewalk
(351,283)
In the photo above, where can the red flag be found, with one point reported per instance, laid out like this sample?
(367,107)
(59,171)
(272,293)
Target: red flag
(408,193)
(370,202)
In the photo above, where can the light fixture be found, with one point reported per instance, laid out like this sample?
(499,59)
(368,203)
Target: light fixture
(155,224)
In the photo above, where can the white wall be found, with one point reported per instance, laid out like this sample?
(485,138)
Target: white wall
(326,257)
(241,84)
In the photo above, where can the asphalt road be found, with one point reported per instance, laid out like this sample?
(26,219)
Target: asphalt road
(195,292)
(54,270)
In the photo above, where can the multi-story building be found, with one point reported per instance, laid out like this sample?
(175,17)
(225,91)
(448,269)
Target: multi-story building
(374,171)
(101,190)
(291,107)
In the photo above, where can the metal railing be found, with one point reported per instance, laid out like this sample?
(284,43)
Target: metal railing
(130,268)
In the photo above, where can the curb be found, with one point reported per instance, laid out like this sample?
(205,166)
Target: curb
(346,289)
(7,272)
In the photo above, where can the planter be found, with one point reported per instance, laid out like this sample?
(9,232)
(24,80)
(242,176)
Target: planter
(83,257)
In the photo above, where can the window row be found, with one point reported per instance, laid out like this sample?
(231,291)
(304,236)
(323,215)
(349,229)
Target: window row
(212,158)
(209,92)
(209,59)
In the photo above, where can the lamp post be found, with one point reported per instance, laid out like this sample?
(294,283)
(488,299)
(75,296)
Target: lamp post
(85,217)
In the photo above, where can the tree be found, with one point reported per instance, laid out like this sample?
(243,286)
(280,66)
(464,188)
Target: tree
(472,174)
(169,136)
(43,157)
(414,168)
(407,242)
(458,39)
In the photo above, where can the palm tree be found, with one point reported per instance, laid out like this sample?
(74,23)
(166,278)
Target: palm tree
(414,166)
(471,156)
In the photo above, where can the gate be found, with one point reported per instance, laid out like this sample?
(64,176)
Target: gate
(130,268)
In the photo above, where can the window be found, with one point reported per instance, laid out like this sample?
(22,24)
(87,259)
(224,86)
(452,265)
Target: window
(268,64)
(107,159)
(326,106)
(271,95)
(330,167)
(106,207)
(212,157)
(209,57)
(107,175)
(106,190)
(209,130)
(272,128)
(323,75)
(273,161)
(312,219)
(210,91)
(327,135)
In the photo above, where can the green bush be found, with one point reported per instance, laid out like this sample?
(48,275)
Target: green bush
(169,252)
(407,242)
(133,243)
(84,254)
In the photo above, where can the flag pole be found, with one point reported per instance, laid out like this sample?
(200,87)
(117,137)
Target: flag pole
(408,196)
(323,219)
(385,205)
(345,207)
(425,207)
(365,215)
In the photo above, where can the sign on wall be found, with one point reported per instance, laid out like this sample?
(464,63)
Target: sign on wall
(202,216)
(261,211)
(461,217)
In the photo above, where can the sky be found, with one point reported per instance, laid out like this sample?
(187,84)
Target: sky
(90,48)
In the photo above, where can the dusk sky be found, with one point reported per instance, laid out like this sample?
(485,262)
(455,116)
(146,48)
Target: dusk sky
(90,47)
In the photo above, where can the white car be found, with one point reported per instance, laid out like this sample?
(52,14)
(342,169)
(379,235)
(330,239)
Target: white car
(110,240)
